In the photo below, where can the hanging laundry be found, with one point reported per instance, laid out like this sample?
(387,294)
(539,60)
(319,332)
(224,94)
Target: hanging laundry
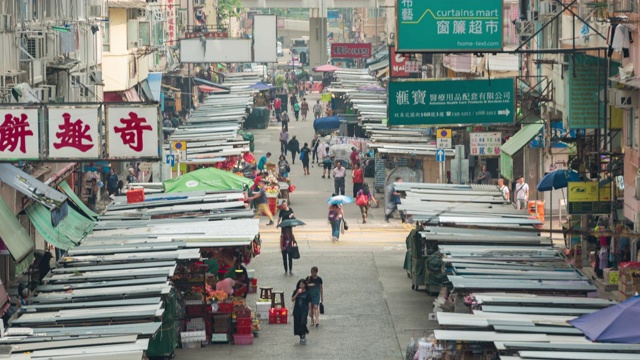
(621,40)
(67,41)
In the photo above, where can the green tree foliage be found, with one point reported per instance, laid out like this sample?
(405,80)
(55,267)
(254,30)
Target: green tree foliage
(229,9)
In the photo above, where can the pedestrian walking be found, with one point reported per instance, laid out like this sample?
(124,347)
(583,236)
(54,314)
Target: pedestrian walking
(262,203)
(296,110)
(363,198)
(316,293)
(277,105)
(263,161)
(314,148)
(285,120)
(293,100)
(354,157)
(284,140)
(286,237)
(304,157)
(522,193)
(294,148)
(504,189)
(358,178)
(304,109)
(339,172)
(484,177)
(300,299)
(335,219)
(283,167)
(131,178)
(393,199)
(301,89)
(326,162)
(112,183)
(317,109)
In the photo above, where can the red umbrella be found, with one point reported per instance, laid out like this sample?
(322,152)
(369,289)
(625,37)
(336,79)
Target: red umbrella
(326,68)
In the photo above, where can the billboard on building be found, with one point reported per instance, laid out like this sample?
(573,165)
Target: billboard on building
(265,38)
(351,51)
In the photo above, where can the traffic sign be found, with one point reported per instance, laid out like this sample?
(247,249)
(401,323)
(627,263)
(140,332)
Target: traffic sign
(170,159)
(443,133)
(443,139)
(440,155)
(179,145)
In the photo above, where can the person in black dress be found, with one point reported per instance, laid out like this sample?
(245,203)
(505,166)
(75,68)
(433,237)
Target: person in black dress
(301,299)
(286,237)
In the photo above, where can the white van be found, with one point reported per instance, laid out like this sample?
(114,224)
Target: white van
(279,50)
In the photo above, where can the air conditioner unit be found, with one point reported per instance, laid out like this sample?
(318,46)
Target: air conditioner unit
(623,98)
(95,77)
(549,8)
(525,29)
(637,188)
(46,93)
(132,34)
(622,5)
(96,11)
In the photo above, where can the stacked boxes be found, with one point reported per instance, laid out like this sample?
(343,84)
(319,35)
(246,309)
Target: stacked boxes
(192,339)
(629,279)
(262,309)
(278,315)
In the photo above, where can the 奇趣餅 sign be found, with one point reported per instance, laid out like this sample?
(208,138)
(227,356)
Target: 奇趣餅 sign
(587,197)
(351,51)
(485,143)
(442,102)
(449,26)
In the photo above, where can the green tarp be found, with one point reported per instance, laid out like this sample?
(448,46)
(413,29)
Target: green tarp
(14,236)
(66,189)
(514,144)
(163,343)
(209,179)
(69,232)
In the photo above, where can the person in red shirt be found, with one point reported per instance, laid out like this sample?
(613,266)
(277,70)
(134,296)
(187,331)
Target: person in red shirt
(358,178)
(277,105)
(354,157)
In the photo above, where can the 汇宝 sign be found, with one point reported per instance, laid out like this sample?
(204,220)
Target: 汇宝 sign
(454,26)
(587,197)
(442,102)
(485,143)
(132,131)
(74,132)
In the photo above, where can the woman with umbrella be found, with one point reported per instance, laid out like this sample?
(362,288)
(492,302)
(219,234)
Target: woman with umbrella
(336,215)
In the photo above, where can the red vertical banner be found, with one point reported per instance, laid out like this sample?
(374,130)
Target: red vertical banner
(398,63)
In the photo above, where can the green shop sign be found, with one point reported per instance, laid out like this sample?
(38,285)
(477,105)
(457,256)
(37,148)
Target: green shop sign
(450,101)
(449,25)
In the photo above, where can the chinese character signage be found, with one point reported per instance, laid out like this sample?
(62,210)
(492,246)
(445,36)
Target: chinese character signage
(485,143)
(584,106)
(74,133)
(351,51)
(172,26)
(132,131)
(398,63)
(451,101)
(19,134)
(454,26)
(207,35)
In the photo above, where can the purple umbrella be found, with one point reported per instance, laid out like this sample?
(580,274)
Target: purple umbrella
(615,324)
(372,87)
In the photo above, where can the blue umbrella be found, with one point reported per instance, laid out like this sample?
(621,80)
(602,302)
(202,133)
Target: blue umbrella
(260,86)
(340,199)
(615,324)
(558,179)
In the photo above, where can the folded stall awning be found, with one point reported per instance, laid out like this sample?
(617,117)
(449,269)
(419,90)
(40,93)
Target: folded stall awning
(69,231)
(31,187)
(15,238)
(66,189)
(514,144)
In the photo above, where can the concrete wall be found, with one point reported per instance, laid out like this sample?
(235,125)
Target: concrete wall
(317,42)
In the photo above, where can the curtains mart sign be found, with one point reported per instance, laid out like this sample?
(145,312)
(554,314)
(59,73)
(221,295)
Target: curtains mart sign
(485,143)
(453,26)
(351,51)
(79,132)
(447,102)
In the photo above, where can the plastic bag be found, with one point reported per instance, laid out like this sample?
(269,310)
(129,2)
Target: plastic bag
(412,349)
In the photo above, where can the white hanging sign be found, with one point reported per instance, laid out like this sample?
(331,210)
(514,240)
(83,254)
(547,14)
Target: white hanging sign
(74,133)
(132,131)
(19,134)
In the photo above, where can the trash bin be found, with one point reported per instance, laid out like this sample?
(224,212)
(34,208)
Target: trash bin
(248,136)
(536,207)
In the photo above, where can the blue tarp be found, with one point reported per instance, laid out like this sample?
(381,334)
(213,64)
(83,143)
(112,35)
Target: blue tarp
(326,123)
(155,82)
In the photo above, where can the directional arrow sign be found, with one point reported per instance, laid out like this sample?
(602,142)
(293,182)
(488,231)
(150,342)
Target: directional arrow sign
(504,112)
(440,155)
(171,160)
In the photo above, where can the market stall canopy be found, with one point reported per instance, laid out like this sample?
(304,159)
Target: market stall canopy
(208,179)
(326,123)
(326,68)
(33,188)
(615,324)
(514,144)
(211,89)
(558,179)
(260,86)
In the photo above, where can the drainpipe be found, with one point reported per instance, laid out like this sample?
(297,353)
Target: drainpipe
(60,173)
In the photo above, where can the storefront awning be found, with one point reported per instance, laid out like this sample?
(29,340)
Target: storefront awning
(132,95)
(31,187)
(633,82)
(379,66)
(66,189)
(522,138)
(15,238)
(514,144)
(155,80)
(146,91)
(211,89)
(69,231)
(200,81)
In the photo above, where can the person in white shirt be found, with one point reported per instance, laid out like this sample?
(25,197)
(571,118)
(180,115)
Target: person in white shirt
(339,172)
(326,160)
(522,193)
(503,188)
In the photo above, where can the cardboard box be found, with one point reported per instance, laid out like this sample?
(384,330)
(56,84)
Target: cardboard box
(613,277)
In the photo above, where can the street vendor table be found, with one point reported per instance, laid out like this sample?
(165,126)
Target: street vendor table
(284,191)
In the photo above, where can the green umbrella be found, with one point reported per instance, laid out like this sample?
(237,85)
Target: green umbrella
(209,179)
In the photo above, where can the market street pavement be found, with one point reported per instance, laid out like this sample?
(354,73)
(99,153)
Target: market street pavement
(371,311)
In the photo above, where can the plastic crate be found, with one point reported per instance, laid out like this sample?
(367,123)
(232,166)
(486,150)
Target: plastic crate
(243,329)
(243,322)
(135,196)
(243,339)
(220,338)
(191,344)
(197,324)
(279,312)
(225,307)
(277,319)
